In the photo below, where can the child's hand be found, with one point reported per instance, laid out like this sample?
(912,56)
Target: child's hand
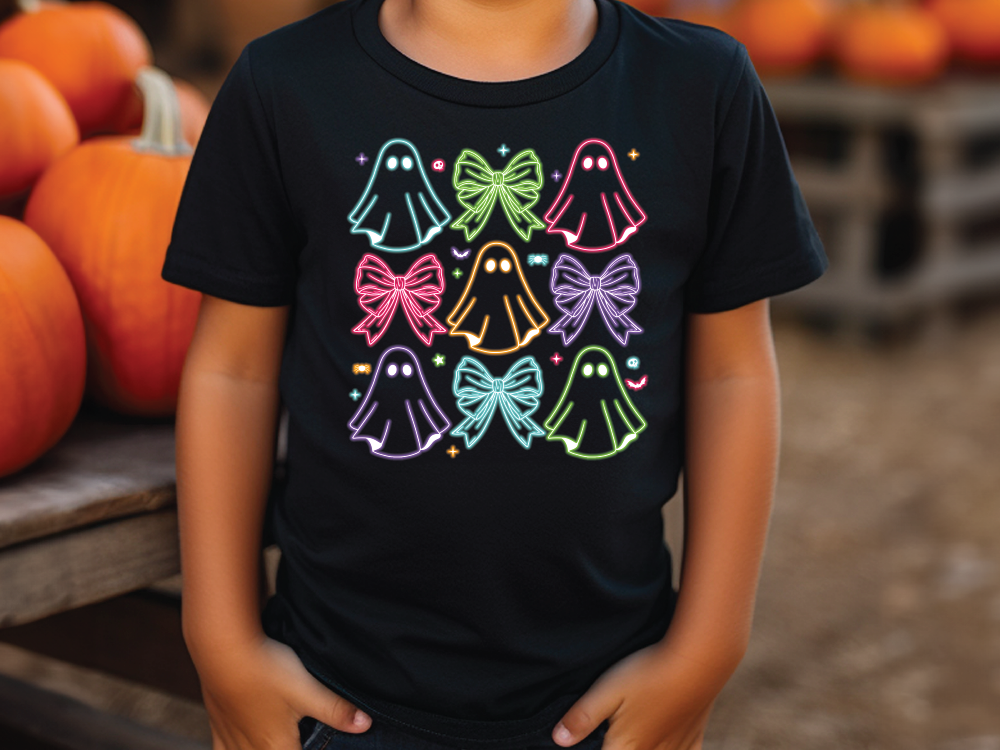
(257,691)
(654,699)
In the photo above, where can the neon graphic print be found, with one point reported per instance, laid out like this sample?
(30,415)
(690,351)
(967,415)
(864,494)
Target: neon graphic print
(398,416)
(398,210)
(595,210)
(516,187)
(575,292)
(594,417)
(497,313)
(380,292)
(479,395)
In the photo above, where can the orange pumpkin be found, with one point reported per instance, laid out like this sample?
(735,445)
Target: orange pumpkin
(894,44)
(107,210)
(194,112)
(973,27)
(36,126)
(782,37)
(90,51)
(42,351)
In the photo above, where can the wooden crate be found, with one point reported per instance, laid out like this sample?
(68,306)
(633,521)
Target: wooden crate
(904,187)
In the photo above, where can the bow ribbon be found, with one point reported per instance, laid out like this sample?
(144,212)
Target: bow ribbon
(479,187)
(479,394)
(576,292)
(418,291)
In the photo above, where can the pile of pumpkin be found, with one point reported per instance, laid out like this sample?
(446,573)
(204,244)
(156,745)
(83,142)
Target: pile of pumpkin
(96,144)
(883,42)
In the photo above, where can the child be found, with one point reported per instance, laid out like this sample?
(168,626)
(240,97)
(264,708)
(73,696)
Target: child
(506,262)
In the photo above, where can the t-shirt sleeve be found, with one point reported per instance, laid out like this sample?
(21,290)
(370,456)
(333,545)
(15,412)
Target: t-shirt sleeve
(234,235)
(761,240)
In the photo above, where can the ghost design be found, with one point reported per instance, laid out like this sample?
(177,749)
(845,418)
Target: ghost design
(398,416)
(399,210)
(497,312)
(594,417)
(595,210)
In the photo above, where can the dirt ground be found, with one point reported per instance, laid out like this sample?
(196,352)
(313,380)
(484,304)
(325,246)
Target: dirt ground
(878,616)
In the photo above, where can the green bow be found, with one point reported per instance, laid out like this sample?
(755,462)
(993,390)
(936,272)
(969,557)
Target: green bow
(478,187)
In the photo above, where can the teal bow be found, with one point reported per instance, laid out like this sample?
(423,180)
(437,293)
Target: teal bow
(478,188)
(479,394)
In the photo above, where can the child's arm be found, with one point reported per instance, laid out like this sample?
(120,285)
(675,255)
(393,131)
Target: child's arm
(661,696)
(255,688)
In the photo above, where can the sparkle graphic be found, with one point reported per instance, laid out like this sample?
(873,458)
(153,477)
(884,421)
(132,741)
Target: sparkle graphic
(438,360)
(556,359)
(452,451)
(361,158)
(355,394)
(557,175)
(503,150)
(633,154)
(457,273)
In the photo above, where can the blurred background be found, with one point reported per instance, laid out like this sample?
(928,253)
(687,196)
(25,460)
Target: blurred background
(878,617)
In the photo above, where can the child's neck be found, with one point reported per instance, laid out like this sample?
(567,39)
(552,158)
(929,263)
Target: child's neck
(489,40)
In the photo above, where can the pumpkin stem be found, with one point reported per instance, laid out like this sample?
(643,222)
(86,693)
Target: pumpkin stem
(161,119)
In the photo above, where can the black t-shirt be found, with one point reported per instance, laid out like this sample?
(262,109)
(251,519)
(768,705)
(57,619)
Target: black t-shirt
(483,367)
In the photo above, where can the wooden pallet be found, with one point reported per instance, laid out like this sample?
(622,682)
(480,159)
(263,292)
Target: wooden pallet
(904,188)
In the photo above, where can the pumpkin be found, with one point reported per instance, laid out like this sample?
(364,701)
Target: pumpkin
(194,112)
(90,51)
(42,350)
(107,210)
(782,36)
(894,44)
(973,28)
(36,126)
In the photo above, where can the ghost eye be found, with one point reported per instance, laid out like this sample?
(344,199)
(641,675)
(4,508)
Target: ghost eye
(408,370)
(391,371)
(588,162)
(588,370)
(391,163)
(505,265)
(407,163)
(491,265)
(602,370)
(602,163)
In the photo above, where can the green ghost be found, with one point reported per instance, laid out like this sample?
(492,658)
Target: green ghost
(594,417)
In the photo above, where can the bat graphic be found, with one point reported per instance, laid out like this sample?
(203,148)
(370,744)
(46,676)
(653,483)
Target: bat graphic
(461,254)
(636,386)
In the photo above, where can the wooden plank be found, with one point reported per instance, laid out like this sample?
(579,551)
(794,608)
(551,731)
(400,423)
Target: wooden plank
(71,569)
(136,636)
(105,466)
(68,724)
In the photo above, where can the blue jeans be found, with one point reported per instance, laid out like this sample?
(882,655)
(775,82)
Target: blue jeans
(315,735)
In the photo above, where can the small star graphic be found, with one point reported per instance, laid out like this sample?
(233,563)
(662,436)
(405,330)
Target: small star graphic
(361,158)
(439,360)
(452,451)
(633,154)
(556,359)
(503,149)
(355,394)
(457,273)
(557,175)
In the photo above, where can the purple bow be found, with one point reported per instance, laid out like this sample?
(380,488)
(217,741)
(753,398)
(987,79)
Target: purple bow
(576,291)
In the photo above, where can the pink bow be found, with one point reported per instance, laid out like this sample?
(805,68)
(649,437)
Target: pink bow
(418,291)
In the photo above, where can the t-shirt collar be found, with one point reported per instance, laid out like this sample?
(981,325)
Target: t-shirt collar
(487,93)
